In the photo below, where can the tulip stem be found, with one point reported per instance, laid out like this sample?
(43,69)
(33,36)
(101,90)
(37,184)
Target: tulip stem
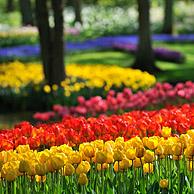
(170,173)
(102,178)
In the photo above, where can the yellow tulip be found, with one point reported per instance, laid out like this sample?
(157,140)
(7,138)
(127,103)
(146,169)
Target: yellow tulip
(131,154)
(101,157)
(23,148)
(31,170)
(125,164)
(163,183)
(102,166)
(75,158)
(68,169)
(24,166)
(149,156)
(189,151)
(40,168)
(11,175)
(118,155)
(177,149)
(89,151)
(148,168)
(152,143)
(57,162)
(47,89)
(137,163)
(83,167)
(159,150)
(82,180)
(184,138)
(40,179)
(110,158)
(166,132)
(140,151)
(190,165)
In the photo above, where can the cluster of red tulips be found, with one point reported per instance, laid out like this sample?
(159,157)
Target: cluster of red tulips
(160,95)
(73,131)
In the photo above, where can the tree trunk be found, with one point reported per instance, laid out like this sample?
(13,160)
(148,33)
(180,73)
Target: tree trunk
(44,34)
(58,71)
(26,12)
(168,17)
(145,56)
(51,41)
(9,6)
(77,10)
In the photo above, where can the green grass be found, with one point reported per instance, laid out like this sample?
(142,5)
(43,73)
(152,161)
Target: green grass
(171,72)
(100,57)
(178,72)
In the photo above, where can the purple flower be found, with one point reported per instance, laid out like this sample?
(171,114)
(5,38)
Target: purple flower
(109,42)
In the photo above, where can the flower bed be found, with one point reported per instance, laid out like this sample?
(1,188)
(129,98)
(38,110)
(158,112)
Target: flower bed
(27,36)
(102,43)
(19,82)
(160,95)
(17,75)
(74,131)
(148,165)
(161,54)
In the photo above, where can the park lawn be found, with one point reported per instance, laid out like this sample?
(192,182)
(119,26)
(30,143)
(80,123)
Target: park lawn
(171,72)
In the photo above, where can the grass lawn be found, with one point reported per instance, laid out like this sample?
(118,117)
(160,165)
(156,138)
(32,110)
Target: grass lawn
(171,72)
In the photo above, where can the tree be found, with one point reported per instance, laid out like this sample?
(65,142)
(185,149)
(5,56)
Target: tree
(51,40)
(145,55)
(9,5)
(168,17)
(26,12)
(77,10)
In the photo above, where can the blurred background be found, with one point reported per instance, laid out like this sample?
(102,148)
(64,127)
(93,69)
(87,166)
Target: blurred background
(65,53)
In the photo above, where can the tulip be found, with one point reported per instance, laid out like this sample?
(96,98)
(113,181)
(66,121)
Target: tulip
(131,154)
(40,168)
(148,168)
(11,176)
(24,166)
(101,157)
(23,148)
(152,143)
(118,155)
(40,179)
(137,163)
(149,156)
(125,164)
(166,132)
(159,150)
(82,180)
(75,158)
(68,169)
(189,151)
(89,151)
(83,167)
(163,183)
(140,151)
(177,149)
(102,166)
(57,161)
